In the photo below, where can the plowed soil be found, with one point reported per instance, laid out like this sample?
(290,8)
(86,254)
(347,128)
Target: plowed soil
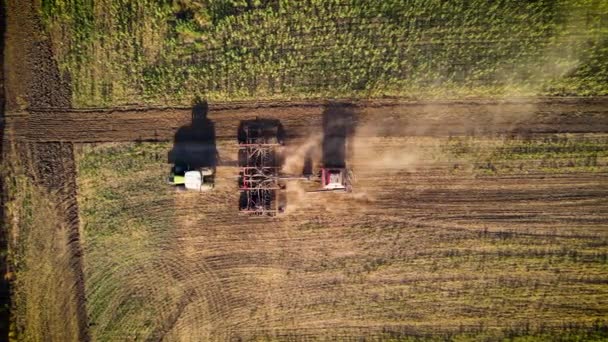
(414,244)
(420,247)
(32,79)
(301,119)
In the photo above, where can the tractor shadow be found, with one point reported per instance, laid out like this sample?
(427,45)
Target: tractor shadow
(194,145)
(261,130)
(339,122)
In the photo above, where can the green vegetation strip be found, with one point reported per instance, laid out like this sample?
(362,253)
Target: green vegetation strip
(168,52)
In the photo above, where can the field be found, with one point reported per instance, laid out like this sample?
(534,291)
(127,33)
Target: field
(476,134)
(491,236)
(164,52)
(494,226)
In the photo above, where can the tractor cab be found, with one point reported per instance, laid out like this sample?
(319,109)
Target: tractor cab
(176,176)
(183,177)
(334,178)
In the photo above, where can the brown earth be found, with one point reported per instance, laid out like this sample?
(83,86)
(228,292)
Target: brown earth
(287,277)
(31,78)
(414,244)
(574,115)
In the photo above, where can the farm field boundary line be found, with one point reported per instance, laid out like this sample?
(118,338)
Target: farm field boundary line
(585,115)
(383,102)
(34,79)
(55,170)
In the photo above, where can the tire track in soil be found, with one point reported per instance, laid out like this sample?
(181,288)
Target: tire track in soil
(249,255)
(5,286)
(202,306)
(55,170)
(34,80)
(212,305)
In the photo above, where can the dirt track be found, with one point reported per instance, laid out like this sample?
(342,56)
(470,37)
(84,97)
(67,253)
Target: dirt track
(32,79)
(301,119)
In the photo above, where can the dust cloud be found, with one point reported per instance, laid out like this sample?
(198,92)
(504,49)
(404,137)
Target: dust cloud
(296,156)
(297,198)
(371,152)
(408,142)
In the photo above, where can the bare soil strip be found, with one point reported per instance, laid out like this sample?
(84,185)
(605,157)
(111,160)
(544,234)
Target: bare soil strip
(55,171)
(33,80)
(423,118)
(5,299)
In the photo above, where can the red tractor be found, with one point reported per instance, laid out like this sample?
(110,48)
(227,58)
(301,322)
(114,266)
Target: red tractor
(335,179)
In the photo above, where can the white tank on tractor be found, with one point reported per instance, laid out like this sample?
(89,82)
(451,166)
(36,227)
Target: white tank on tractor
(200,179)
(195,180)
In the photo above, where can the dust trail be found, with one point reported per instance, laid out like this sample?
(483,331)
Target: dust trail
(301,196)
(297,198)
(564,51)
(295,156)
(300,199)
(373,152)
(294,163)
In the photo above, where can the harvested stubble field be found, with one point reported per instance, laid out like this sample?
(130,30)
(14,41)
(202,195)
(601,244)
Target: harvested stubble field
(492,233)
(470,219)
(491,236)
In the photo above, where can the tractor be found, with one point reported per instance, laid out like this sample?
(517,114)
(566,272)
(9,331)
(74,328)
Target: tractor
(334,179)
(183,177)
